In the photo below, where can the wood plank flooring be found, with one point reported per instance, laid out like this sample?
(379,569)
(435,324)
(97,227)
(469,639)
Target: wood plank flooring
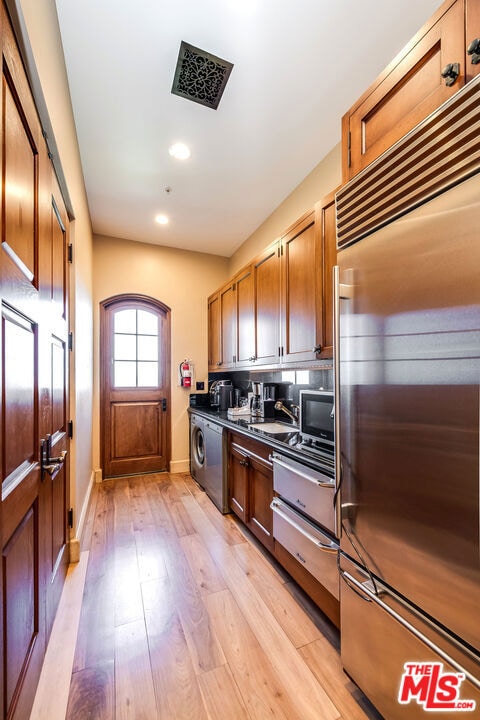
(185,617)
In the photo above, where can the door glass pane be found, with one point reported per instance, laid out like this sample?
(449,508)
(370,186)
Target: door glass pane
(125,374)
(147,347)
(135,348)
(147,323)
(125,347)
(147,374)
(125,321)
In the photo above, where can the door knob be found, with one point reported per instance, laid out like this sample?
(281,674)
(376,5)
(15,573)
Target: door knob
(474,50)
(450,72)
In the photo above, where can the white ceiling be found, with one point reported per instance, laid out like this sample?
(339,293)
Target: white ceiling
(298,66)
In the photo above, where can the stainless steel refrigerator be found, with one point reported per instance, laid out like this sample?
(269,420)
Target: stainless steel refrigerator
(407,369)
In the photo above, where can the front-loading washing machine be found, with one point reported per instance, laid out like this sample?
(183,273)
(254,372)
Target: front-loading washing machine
(197,448)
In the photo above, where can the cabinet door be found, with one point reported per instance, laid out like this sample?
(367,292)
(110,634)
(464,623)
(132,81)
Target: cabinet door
(245,317)
(407,91)
(260,478)
(301,294)
(325,221)
(214,333)
(228,311)
(238,467)
(472,32)
(267,306)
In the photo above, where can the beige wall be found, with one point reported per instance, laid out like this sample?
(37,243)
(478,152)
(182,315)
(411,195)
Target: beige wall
(42,28)
(183,281)
(324,178)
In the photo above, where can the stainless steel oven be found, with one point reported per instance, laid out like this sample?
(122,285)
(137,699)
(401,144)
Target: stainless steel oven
(304,517)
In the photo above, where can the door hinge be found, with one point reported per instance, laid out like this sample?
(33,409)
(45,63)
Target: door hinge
(70,429)
(70,253)
(70,518)
(164,404)
(70,340)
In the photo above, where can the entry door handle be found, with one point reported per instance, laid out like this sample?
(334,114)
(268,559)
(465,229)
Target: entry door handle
(48,464)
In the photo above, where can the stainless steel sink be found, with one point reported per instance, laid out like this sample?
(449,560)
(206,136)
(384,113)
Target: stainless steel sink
(273,428)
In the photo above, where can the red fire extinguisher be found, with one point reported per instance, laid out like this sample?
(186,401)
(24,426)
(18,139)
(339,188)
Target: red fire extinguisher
(186,373)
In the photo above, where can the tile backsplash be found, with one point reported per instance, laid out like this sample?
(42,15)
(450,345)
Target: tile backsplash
(290,382)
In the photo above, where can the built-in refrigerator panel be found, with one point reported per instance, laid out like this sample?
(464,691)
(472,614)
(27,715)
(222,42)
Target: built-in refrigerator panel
(409,354)
(409,668)
(407,378)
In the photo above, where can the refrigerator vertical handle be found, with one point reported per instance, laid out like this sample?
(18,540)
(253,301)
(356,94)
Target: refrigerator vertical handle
(336,377)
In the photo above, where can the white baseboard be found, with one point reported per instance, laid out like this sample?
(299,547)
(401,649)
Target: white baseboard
(74,549)
(179,466)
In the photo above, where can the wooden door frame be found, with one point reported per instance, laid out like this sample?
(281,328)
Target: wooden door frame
(152,304)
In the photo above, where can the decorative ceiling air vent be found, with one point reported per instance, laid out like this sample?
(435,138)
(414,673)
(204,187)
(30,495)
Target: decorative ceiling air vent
(200,76)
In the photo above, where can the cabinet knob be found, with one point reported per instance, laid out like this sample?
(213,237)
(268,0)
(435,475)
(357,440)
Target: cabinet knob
(317,349)
(474,50)
(244,462)
(252,358)
(219,363)
(450,72)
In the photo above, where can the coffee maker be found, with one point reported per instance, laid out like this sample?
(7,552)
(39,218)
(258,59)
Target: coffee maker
(263,399)
(221,394)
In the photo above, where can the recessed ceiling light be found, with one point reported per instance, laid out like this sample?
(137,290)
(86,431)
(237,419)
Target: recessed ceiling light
(161,219)
(179,151)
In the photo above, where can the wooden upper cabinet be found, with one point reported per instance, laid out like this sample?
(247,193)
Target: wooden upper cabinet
(277,310)
(325,222)
(301,322)
(411,87)
(228,312)
(214,333)
(222,328)
(266,269)
(245,284)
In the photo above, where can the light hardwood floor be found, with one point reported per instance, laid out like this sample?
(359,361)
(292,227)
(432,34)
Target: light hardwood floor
(185,617)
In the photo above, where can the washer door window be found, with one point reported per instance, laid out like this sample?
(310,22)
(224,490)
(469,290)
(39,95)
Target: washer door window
(199,447)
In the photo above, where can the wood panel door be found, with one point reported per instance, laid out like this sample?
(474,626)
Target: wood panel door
(53,369)
(135,385)
(33,360)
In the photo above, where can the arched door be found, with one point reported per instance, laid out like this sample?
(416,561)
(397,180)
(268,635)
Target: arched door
(135,385)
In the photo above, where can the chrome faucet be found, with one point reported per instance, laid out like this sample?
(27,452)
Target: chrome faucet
(292,415)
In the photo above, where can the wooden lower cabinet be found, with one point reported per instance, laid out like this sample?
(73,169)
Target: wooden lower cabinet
(250,486)
(250,492)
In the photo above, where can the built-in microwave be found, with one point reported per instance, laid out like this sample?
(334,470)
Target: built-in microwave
(317,421)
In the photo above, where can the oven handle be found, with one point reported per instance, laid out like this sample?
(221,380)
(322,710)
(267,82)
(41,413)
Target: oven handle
(321,483)
(330,548)
(364,587)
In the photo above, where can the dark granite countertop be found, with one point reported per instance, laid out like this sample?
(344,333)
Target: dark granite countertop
(288,444)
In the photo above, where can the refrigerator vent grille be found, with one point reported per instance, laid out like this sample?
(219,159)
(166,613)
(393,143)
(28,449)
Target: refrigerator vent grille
(440,152)
(200,76)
